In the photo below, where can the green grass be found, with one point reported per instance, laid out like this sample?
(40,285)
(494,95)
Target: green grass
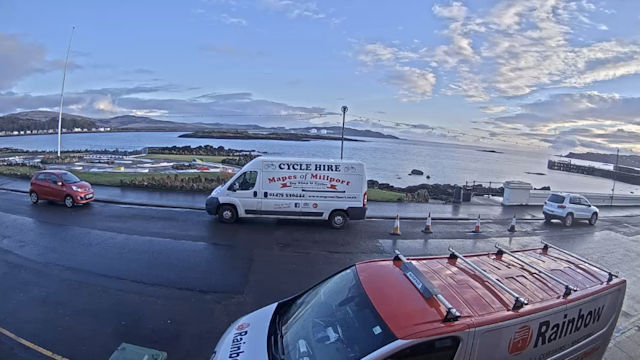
(188,158)
(101,178)
(17,171)
(384,195)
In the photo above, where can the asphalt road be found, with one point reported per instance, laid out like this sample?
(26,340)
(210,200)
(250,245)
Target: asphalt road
(80,281)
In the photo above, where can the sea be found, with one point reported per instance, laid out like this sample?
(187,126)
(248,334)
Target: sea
(387,160)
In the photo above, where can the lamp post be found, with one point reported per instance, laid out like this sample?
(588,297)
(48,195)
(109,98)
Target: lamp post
(615,173)
(344,113)
(64,76)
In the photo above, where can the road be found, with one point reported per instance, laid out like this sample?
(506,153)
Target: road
(80,281)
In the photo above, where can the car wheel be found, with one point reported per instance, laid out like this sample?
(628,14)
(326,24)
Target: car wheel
(568,220)
(547,218)
(593,219)
(227,214)
(338,219)
(68,201)
(34,197)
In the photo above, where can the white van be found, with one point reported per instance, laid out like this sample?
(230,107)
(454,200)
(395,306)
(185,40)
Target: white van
(334,190)
(536,304)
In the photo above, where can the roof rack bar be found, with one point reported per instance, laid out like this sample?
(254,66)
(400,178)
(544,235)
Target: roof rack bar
(425,287)
(519,301)
(567,288)
(611,275)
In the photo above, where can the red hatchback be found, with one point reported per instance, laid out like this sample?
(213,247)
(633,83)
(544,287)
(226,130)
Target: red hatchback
(59,185)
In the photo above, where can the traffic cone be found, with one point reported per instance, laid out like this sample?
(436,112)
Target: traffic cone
(512,227)
(477,230)
(396,227)
(427,226)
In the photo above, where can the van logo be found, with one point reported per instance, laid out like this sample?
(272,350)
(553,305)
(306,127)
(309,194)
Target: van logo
(520,340)
(270,166)
(243,327)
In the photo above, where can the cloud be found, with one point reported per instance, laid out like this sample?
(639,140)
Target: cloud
(415,84)
(239,107)
(587,121)
(20,59)
(493,109)
(227,19)
(296,9)
(514,48)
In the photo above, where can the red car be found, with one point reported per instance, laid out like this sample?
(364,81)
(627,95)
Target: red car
(59,185)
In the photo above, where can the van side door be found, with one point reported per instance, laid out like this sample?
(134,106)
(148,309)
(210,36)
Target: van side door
(244,189)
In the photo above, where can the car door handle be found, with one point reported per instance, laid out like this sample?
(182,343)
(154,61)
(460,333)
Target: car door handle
(255,193)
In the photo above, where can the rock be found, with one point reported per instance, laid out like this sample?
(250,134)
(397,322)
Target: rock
(372,184)
(416,172)
(428,177)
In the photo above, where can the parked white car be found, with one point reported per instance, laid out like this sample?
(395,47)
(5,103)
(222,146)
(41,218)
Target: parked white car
(569,207)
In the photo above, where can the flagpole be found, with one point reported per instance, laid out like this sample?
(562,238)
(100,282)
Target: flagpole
(64,77)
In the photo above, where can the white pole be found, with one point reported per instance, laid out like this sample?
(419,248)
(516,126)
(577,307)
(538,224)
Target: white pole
(344,112)
(64,76)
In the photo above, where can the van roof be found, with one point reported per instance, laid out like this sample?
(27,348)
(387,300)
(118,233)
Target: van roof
(410,315)
(294,159)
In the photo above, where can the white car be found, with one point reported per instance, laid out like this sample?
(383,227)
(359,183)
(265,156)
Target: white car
(569,207)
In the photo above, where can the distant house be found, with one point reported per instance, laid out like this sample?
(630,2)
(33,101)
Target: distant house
(313,131)
(27,132)
(323,131)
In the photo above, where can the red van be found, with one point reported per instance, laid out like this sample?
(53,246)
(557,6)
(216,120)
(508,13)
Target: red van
(535,304)
(59,185)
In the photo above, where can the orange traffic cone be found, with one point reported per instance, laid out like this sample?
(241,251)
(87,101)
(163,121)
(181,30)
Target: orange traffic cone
(396,227)
(477,230)
(512,227)
(427,226)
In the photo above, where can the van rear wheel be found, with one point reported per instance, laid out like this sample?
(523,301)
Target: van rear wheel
(338,219)
(227,214)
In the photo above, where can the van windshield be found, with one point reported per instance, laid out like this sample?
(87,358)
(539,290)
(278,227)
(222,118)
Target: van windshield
(333,320)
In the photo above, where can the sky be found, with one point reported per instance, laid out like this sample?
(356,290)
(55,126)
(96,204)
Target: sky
(553,74)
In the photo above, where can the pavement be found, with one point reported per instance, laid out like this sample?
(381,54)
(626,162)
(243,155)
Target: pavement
(78,282)
(486,207)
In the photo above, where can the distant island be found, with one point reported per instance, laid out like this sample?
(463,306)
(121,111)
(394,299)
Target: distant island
(247,135)
(46,122)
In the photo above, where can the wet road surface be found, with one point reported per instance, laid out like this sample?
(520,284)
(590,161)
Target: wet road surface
(80,281)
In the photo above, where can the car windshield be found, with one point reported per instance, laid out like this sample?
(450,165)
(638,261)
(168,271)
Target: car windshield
(555,198)
(334,320)
(69,178)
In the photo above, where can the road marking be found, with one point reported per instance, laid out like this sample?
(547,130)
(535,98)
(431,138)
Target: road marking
(31,345)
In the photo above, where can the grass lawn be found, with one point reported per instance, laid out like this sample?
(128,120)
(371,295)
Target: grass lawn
(384,195)
(188,158)
(102,178)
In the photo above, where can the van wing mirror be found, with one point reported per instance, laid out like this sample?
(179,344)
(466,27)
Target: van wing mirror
(234,187)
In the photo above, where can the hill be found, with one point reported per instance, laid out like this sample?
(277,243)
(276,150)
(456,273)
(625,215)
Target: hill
(44,121)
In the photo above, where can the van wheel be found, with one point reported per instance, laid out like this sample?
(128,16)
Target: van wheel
(568,220)
(34,197)
(68,201)
(338,219)
(547,218)
(227,214)
(593,219)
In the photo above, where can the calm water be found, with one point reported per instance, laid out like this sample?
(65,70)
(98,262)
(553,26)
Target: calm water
(387,160)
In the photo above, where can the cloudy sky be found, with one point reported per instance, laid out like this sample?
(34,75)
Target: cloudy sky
(554,74)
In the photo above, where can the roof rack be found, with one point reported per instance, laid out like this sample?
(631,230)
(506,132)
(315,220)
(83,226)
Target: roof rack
(567,288)
(611,275)
(519,301)
(424,286)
